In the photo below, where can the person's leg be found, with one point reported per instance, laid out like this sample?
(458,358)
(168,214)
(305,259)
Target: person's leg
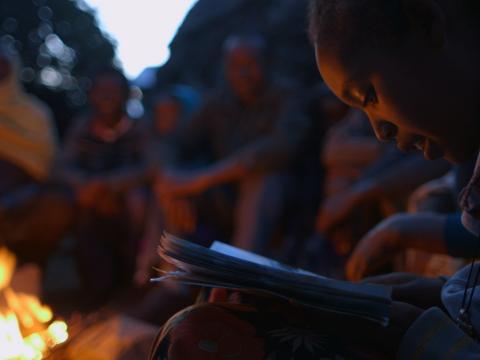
(207,330)
(259,209)
(97,255)
(133,218)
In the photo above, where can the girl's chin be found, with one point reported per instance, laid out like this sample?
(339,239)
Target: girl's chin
(458,158)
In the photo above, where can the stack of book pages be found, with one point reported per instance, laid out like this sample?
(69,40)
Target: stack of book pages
(225,266)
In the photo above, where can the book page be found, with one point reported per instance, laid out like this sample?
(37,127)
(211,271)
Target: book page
(255,258)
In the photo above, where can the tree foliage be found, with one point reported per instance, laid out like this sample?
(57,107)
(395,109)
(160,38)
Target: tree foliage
(60,44)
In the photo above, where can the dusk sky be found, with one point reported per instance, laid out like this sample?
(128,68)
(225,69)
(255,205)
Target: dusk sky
(142,28)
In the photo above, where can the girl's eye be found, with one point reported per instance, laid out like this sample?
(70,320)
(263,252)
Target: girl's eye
(370,97)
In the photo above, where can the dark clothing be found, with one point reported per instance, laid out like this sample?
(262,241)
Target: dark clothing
(107,231)
(225,127)
(90,154)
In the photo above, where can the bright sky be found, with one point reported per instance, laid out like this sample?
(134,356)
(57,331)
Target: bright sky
(142,28)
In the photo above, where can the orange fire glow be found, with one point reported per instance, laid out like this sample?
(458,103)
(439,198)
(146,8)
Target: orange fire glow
(27,329)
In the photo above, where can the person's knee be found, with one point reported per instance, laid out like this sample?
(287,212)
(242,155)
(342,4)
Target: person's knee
(209,329)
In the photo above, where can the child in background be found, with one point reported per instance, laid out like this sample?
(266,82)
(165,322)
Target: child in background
(105,160)
(171,111)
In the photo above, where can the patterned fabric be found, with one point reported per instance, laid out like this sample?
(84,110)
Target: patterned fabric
(232,330)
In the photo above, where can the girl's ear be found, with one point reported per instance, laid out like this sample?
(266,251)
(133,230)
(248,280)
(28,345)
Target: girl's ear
(427,21)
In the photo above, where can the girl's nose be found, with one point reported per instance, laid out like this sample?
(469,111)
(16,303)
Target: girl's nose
(385,131)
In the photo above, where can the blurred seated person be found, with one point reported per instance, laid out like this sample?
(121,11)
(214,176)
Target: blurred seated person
(349,150)
(432,226)
(34,214)
(172,109)
(436,196)
(244,137)
(311,177)
(105,161)
(375,184)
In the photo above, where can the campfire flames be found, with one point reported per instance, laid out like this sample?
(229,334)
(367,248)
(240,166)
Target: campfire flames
(27,329)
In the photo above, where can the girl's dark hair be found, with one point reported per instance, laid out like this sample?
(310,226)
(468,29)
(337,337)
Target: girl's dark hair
(358,23)
(364,23)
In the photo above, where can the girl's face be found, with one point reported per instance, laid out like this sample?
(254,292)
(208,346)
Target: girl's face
(419,96)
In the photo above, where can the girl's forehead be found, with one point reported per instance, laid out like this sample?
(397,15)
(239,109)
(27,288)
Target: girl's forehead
(337,74)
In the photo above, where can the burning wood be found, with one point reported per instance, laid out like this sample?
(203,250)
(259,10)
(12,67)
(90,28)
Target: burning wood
(27,328)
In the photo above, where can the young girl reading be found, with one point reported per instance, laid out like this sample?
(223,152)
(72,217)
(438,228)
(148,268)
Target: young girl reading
(397,60)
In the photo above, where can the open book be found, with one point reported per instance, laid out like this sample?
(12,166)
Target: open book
(225,266)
